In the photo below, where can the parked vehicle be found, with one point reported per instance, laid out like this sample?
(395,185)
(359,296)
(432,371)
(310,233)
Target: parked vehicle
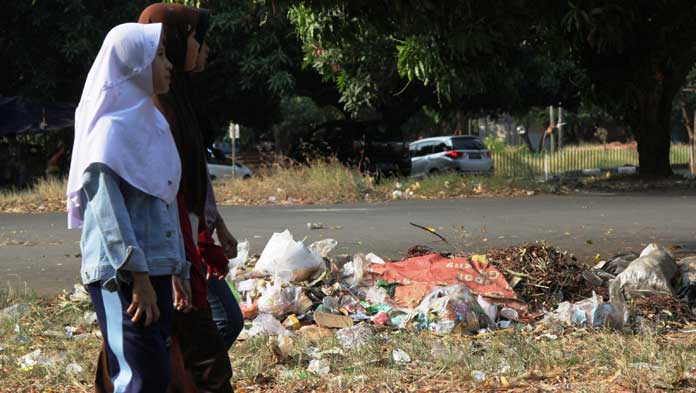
(465,154)
(363,144)
(220,166)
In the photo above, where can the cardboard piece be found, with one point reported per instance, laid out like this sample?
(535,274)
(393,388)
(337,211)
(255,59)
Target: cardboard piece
(332,320)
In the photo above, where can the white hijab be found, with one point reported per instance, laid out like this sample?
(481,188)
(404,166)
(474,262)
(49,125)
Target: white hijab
(117,124)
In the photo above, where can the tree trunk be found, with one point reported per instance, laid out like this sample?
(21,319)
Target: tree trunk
(651,125)
(654,140)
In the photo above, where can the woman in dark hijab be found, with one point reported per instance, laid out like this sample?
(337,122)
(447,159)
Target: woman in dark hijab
(202,347)
(225,310)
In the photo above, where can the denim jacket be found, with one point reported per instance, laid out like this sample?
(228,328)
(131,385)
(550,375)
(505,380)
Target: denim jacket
(126,230)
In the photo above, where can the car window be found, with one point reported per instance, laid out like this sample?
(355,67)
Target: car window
(439,148)
(425,149)
(421,149)
(467,144)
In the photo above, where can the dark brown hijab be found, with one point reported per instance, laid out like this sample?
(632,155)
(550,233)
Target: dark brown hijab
(178,22)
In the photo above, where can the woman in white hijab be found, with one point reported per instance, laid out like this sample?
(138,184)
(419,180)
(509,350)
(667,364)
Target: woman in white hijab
(124,177)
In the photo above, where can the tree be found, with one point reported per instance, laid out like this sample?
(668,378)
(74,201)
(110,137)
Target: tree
(47,47)
(636,54)
(474,56)
(255,64)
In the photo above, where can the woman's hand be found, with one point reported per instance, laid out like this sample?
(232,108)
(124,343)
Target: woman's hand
(144,301)
(182,294)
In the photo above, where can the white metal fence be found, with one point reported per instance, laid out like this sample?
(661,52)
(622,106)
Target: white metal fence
(522,163)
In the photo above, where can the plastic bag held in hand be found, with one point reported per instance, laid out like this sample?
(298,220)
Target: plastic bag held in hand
(288,259)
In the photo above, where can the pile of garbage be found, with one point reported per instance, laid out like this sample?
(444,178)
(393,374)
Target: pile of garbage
(292,287)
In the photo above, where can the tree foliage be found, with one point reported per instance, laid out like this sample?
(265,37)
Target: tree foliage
(636,55)
(629,58)
(480,56)
(47,47)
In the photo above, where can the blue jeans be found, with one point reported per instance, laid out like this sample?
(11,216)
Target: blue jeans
(225,309)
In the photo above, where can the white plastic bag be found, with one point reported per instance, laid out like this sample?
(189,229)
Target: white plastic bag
(268,325)
(650,274)
(247,285)
(687,280)
(490,309)
(287,259)
(276,300)
(242,255)
(373,258)
(561,316)
(376,295)
(358,268)
(354,336)
(323,248)
(457,294)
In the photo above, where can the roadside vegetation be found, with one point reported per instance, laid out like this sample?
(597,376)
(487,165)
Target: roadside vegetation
(330,182)
(323,182)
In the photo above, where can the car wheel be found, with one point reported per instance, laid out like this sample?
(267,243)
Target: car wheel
(246,177)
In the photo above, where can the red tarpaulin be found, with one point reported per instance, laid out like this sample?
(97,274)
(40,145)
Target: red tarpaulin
(421,275)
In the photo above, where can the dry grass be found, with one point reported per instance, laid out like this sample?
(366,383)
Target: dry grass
(324,182)
(511,360)
(321,182)
(47,194)
(330,182)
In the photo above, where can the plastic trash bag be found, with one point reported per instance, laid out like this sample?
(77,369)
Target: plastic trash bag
(319,367)
(561,316)
(448,305)
(276,300)
(357,267)
(268,325)
(247,285)
(287,259)
(650,274)
(491,310)
(592,312)
(242,255)
(372,258)
(458,294)
(617,263)
(376,295)
(323,247)
(354,336)
(687,279)
(619,314)
(400,356)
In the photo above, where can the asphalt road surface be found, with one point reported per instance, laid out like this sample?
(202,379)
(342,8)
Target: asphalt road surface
(38,252)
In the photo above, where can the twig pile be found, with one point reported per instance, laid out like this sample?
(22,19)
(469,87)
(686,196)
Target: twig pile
(543,276)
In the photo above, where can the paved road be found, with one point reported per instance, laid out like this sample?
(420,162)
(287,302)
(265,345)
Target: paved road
(37,251)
